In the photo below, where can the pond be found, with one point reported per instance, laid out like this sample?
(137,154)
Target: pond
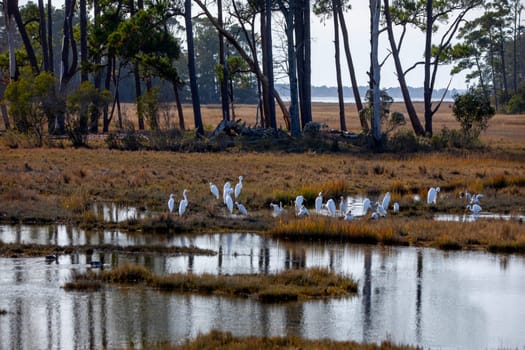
(466,300)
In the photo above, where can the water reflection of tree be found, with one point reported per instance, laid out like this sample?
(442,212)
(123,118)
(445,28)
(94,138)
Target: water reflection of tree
(419,285)
(367,295)
(295,258)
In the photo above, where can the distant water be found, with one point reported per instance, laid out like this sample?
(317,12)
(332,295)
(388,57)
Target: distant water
(334,99)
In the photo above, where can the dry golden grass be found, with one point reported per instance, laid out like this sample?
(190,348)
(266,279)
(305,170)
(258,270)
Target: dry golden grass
(495,235)
(284,286)
(52,184)
(226,341)
(504,130)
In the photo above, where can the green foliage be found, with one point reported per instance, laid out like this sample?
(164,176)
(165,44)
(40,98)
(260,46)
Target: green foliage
(81,103)
(516,103)
(30,97)
(148,106)
(473,111)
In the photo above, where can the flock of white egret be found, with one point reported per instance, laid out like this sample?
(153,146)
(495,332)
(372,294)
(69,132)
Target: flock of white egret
(226,198)
(348,209)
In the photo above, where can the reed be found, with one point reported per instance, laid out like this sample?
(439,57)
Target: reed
(226,341)
(491,235)
(285,286)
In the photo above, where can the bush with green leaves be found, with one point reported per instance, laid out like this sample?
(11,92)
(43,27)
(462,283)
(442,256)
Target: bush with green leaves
(31,98)
(82,102)
(473,111)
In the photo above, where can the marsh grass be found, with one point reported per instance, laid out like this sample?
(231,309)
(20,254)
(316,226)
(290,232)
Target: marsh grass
(491,235)
(226,341)
(32,250)
(285,286)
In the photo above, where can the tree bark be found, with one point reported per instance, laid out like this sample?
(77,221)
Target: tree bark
(50,35)
(14,12)
(375,8)
(43,35)
(411,111)
(351,68)
(191,69)
(340,97)
(269,63)
(224,64)
(427,90)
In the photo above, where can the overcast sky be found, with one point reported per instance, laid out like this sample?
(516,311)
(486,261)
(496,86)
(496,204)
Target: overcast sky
(358,23)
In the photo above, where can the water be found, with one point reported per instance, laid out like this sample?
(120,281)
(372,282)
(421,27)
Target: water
(460,300)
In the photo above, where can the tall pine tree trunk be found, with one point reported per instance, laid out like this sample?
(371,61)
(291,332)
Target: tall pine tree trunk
(351,68)
(375,8)
(224,64)
(191,69)
(340,97)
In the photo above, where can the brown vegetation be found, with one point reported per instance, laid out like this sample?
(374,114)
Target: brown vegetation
(61,184)
(31,250)
(284,286)
(226,341)
(492,235)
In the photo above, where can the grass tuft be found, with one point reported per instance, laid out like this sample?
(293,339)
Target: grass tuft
(285,286)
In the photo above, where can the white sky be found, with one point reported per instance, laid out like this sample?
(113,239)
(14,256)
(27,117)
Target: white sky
(358,24)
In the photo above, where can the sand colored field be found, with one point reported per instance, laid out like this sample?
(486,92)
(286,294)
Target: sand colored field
(504,130)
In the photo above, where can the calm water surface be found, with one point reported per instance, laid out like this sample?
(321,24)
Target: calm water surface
(459,300)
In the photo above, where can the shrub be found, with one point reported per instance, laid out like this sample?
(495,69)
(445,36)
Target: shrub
(473,111)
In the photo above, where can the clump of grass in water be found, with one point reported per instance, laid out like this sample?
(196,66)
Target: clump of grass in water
(225,340)
(329,229)
(284,286)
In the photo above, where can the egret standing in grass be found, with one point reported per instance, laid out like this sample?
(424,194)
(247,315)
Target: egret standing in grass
(386,201)
(474,208)
(432,195)
(214,190)
(277,208)
(343,207)
(225,189)
(241,208)
(298,203)
(238,187)
(171,203)
(330,205)
(319,202)
(229,200)
(302,211)
(183,203)
(396,207)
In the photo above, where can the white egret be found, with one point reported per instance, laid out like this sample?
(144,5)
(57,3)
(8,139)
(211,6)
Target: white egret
(474,208)
(330,205)
(386,201)
(298,202)
(396,207)
(432,195)
(476,198)
(225,189)
(241,208)
(183,203)
(349,216)
(343,207)
(380,210)
(303,211)
(319,202)
(238,187)
(277,208)
(171,203)
(229,200)
(214,190)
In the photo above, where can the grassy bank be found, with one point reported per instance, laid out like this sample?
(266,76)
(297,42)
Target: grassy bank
(491,235)
(46,185)
(15,250)
(226,341)
(284,286)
